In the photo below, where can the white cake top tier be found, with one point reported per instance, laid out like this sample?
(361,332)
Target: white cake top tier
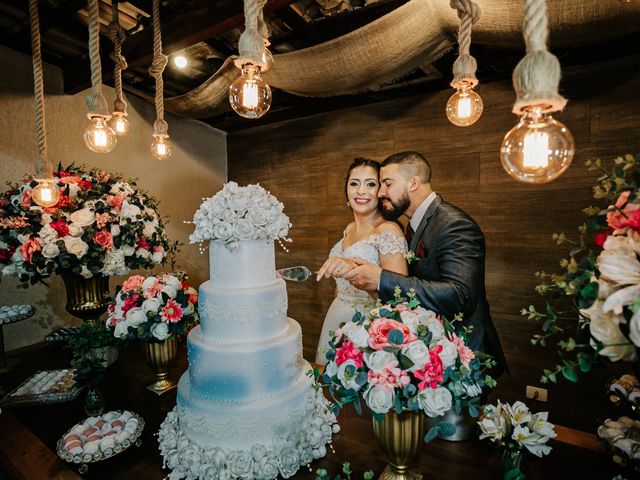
(251,264)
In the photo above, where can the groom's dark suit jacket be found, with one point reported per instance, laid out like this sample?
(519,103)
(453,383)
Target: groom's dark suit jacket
(449,276)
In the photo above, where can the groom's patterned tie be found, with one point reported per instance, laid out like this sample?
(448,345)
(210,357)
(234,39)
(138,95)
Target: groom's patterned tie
(408,234)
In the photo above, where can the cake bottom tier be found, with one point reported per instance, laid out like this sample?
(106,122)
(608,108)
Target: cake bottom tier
(261,440)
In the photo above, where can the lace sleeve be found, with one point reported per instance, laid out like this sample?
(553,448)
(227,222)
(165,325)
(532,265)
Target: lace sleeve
(390,243)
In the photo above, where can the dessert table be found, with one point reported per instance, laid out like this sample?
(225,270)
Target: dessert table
(34,430)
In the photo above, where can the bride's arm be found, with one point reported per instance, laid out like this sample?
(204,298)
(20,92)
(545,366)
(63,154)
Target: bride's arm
(392,248)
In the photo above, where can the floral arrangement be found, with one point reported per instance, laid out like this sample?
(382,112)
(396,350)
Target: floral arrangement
(101,225)
(601,279)
(516,429)
(403,356)
(240,213)
(153,308)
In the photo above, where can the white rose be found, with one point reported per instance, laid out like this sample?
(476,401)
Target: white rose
(244,229)
(449,353)
(418,353)
(229,216)
(115,230)
(356,333)
(160,330)
(240,464)
(173,281)
(148,282)
(604,327)
(266,467)
(47,233)
(331,369)
(10,270)
(75,246)
(114,263)
(121,330)
(142,253)
(238,202)
(129,210)
(170,291)
(128,250)
(157,257)
(83,217)
(149,229)
(50,250)
(222,231)
(45,219)
(257,216)
(288,462)
(377,360)
(75,230)
(435,402)
(74,188)
(136,316)
(151,305)
(347,379)
(378,399)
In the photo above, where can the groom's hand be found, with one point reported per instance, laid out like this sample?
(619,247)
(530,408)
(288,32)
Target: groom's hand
(365,276)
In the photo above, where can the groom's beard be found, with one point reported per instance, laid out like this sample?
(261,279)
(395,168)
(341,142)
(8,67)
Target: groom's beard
(393,210)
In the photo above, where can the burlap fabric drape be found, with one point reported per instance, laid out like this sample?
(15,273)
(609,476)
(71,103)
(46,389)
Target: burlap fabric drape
(414,34)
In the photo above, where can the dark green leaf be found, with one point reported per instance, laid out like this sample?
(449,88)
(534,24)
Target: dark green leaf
(431,435)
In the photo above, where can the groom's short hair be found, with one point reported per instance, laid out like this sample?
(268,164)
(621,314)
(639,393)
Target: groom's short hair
(412,164)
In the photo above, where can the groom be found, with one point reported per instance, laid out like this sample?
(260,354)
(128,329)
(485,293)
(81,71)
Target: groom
(448,273)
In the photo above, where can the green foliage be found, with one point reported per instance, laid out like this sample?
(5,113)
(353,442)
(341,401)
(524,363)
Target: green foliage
(88,344)
(322,474)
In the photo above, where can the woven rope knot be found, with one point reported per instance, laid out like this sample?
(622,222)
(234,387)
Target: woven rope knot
(160,127)
(466,8)
(464,68)
(158,65)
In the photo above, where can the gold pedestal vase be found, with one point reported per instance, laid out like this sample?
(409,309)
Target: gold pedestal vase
(400,437)
(159,356)
(87,298)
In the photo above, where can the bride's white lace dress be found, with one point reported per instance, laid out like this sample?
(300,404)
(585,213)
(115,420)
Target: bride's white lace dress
(349,298)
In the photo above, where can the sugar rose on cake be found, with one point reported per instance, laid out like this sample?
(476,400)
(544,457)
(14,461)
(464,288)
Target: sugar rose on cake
(247,407)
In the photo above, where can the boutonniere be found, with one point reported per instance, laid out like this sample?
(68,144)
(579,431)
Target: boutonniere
(410,257)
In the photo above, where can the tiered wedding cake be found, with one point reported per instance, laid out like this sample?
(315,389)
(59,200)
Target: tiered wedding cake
(246,407)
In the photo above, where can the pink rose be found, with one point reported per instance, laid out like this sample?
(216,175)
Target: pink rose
(381,328)
(154,289)
(25,200)
(391,377)
(172,312)
(625,214)
(464,352)
(348,352)
(104,239)
(102,219)
(133,283)
(28,248)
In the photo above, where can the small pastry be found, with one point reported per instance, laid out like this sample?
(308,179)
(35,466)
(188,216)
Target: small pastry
(107,443)
(126,415)
(91,447)
(71,436)
(89,431)
(99,424)
(74,447)
(110,416)
(94,438)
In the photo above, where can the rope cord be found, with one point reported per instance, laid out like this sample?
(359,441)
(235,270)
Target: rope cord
(96,102)
(117,36)
(253,39)
(464,68)
(43,165)
(160,126)
(537,76)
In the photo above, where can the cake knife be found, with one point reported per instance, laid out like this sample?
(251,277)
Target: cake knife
(295,274)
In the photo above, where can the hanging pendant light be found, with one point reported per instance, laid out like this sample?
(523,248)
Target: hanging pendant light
(99,136)
(161,147)
(46,192)
(249,94)
(118,123)
(465,107)
(539,148)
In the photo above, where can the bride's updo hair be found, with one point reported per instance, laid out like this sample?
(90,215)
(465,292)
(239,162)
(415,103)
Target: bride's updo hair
(360,162)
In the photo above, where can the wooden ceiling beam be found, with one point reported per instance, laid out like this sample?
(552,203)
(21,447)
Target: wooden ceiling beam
(202,21)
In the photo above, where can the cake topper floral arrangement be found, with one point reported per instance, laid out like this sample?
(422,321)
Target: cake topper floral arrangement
(601,279)
(101,225)
(402,356)
(238,213)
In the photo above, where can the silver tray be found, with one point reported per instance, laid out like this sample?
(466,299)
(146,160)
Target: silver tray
(11,399)
(83,459)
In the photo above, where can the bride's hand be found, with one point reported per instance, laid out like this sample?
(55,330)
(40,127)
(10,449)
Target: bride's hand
(335,267)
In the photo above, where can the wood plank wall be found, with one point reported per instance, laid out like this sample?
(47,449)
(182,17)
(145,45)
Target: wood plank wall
(303,163)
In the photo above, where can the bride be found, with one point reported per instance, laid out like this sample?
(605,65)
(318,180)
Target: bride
(369,237)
